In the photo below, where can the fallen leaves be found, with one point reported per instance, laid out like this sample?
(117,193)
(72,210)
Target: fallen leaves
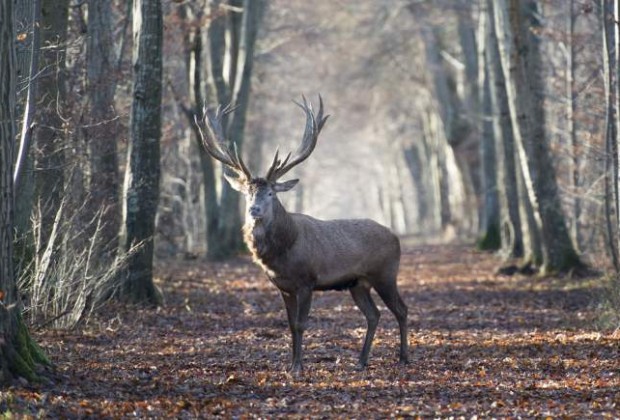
(481,345)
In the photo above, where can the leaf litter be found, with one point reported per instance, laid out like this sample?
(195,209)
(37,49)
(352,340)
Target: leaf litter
(481,345)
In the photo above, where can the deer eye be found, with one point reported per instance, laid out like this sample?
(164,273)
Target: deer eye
(270,194)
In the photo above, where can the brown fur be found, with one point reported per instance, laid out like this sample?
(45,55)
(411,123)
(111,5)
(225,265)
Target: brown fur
(266,243)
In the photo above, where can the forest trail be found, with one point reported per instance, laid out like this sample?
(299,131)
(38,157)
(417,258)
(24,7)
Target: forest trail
(481,344)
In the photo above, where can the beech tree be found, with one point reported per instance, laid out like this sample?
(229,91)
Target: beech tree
(103,124)
(490,237)
(50,139)
(520,56)
(510,228)
(141,191)
(18,352)
(219,72)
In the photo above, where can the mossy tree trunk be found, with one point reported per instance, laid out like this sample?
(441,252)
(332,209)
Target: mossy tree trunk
(18,353)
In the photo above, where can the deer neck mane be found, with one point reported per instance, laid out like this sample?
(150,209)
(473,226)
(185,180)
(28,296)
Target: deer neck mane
(269,240)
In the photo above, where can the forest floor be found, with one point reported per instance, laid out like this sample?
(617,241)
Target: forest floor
(481,345)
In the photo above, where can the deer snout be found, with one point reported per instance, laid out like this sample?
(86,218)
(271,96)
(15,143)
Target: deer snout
(255,212)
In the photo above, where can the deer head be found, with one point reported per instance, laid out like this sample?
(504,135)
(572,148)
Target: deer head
(260,192)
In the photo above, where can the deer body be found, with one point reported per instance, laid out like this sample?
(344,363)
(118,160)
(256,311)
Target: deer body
(301,254)
(319,254)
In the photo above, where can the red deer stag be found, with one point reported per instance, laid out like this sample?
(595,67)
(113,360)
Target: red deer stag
(301,254)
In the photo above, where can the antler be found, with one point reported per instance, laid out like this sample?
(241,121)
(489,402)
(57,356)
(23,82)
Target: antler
(212,135)
(308,143)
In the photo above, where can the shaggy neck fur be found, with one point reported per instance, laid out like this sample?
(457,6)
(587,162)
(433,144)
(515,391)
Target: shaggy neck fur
(268,241)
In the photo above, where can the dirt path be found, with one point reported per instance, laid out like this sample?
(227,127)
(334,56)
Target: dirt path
(481,345)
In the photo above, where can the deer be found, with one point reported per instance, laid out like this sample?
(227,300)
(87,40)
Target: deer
(301,254)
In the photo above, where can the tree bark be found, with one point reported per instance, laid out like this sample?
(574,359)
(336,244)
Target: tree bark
(230,39)
(28,16)
(571,124)
(490,238)
(612,187)
(102,129)
(521,64)
(28,66)
(510,222)
(143,168)
(18,353)
(50,136)
(413,155)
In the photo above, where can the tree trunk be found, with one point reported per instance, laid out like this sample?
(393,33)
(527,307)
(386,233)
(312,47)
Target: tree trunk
(612,87)
(490,238)
(143,168)
(510,222)
(247,28)
(50,136)
(612,189)
(28,47)
(416,165)
(521,64)
(571,124)
(103,125)
(440,209)
(230,39)
(18,353)
(28,15)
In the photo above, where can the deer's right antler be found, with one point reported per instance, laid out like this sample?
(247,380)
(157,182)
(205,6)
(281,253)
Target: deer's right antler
(311,134)
(212,135)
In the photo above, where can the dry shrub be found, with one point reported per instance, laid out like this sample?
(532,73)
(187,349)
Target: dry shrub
(71,276)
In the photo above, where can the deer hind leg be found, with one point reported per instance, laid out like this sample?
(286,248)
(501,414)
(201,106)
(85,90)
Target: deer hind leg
(387,290)
(363,300)
(297,309)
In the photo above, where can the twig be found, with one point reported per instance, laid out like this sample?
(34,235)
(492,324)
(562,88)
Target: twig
(24,146)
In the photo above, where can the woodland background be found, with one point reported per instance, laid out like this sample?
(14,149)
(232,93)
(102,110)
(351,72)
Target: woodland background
(486,121)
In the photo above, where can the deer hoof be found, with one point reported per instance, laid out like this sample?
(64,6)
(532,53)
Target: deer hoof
(361,365)
(295,369)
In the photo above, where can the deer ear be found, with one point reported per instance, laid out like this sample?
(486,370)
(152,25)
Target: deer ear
(285,186)
(239,184)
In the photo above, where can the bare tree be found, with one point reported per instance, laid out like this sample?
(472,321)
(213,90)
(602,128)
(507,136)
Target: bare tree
(490,237)
(515,24)
(141,190)
(103,125)
(28,22)
(571,121)
(18,352)
(228,84)
(50,137)
(612,183)
(219,70)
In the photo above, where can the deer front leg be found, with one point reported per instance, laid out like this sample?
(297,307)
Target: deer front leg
(297,309)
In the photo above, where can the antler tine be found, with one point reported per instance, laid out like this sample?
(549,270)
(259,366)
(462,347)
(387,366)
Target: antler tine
(240,162)
(308,142)
(274,164)
(212,135)
(321,120)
